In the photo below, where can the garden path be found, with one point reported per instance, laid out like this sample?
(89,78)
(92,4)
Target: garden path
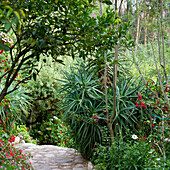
(49,157)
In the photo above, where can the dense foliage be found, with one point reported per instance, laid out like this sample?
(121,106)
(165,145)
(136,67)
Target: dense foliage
(112,105)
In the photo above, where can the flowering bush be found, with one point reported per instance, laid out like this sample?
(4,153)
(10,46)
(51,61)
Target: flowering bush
(12,158)
(52,132)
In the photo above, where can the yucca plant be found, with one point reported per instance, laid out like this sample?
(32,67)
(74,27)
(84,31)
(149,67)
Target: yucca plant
(126,96)
(14,106)
(82,102)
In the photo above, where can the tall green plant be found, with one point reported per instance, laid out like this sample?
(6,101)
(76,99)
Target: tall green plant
(14,107)
(82,102)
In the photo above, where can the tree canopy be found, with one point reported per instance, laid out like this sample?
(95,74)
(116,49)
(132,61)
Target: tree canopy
(55,28)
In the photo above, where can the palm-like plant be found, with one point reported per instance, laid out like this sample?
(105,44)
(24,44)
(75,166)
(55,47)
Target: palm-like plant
(82,101)
(14,106)
(126,95)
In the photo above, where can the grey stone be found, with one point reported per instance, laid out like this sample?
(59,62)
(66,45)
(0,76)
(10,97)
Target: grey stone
(64,161)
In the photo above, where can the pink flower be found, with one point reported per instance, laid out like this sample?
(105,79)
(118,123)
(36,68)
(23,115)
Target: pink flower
(138,138)
(27,129)
(69,118)
(144,137)
(92,16)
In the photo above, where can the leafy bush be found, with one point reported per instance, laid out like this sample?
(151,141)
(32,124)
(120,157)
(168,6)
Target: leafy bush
(52,132)
(137,154)
(24,131)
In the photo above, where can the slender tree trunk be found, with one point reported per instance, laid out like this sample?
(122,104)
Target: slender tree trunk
(120,8)
(114,80)
(137,32)
(108,121)
(137,40)
(101,8)
(145,37)
(163,48)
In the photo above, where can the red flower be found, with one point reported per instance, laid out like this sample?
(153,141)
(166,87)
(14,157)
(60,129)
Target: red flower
(144,137)
(139,97)
(153,125)
(138,138)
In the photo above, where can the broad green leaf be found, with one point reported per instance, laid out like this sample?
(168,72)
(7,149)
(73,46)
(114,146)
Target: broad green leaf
(8,25)
(4,47)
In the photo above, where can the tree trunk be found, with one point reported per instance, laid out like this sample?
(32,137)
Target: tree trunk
(114,81)
(137,32)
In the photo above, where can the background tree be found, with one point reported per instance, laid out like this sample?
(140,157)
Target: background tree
(50,28)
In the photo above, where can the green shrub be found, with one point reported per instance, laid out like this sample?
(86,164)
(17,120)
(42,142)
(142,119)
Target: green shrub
(52,132)
(137,154)
(24,131)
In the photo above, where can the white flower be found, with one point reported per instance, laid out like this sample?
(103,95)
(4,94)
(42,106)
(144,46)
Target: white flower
(167,140)
(134,136)
(55,117)
(17,139)
(10,40)
(158,159)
